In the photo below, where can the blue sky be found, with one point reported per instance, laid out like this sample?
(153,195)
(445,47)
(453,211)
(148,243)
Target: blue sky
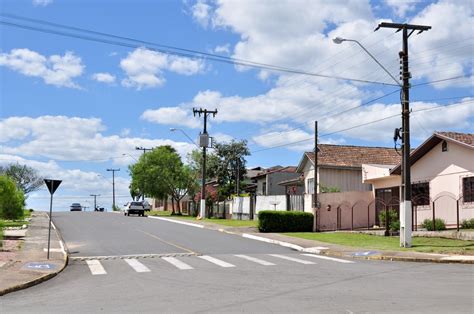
(72,108)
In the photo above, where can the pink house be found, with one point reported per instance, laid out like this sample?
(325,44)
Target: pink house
(442,174)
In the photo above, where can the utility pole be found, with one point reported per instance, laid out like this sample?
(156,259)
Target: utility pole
(405,203)
(144,151)
(315,181)
(95,200)
(113,186)
(204,143)
(237,178)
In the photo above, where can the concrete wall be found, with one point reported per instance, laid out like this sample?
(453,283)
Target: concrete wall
(240,208)
(349,206)
(266,203)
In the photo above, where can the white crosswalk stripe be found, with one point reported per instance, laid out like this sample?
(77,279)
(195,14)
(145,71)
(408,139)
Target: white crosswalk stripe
(177,263)
(96,267)
(136,265)
(216,261)
(293,259)
(255,260)
(330,258)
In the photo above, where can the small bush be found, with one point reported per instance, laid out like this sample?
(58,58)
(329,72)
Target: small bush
(467,223)
(428,224)
(282,221)
(393,221)
(12,200)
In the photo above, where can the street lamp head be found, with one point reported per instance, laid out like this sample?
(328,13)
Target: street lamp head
(338,40)
(173,129)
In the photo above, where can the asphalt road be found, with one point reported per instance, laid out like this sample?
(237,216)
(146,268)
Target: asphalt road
(158,285)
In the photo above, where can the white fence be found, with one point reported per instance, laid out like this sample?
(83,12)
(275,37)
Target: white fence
(245,208)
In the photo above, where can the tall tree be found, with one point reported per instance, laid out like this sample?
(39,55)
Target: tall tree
(26,178)
(231,164)
(161,173)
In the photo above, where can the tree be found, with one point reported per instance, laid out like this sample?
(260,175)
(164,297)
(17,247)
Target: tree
(161,173)
(231,164)
(12,199)
(26,178)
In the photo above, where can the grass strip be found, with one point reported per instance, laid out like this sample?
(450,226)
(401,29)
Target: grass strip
(419,244)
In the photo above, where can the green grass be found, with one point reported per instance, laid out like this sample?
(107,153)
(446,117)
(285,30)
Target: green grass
(233,223)
(419,244)
(158,213)
(13,223)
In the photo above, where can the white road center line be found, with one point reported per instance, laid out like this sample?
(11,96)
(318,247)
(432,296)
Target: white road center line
(255,260)
(297,260)
(216,261)
(136,265)
(96,267)
(177,263)
(330,258)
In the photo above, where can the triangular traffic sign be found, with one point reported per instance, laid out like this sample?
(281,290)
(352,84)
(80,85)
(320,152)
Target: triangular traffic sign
(52,185)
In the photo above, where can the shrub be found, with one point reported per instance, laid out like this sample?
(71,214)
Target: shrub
(467,223)
(283,221)
(439,223)
(393,222)
(12,199)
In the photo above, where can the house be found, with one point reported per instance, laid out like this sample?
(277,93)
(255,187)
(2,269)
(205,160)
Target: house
(442,171)
(340,168)
(269,179)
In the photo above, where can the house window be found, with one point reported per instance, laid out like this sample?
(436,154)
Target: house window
(444,146)
(310,186)
(264,188)
(421,193)
(468,189)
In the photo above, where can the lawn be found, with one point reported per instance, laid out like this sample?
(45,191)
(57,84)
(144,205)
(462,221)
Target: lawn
(419,244)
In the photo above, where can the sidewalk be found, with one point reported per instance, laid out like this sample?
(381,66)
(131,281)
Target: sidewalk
(23,261)
(324,248)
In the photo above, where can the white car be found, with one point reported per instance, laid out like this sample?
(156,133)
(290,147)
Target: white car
(134,208)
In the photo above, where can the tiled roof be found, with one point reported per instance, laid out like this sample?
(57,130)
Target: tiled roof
(354,156)
(466,138)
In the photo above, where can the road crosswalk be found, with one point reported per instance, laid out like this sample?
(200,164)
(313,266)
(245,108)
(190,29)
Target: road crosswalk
(97,268)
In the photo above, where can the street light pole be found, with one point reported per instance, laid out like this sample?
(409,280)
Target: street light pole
(113,186)
(185,134)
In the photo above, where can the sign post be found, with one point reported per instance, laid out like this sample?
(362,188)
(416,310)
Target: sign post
(52,186)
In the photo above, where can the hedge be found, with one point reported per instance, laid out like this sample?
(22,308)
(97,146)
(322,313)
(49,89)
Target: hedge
(467,223)
(283,221)
(439,224)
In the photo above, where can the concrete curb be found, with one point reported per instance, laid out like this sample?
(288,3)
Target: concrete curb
(448,259)
(43,278)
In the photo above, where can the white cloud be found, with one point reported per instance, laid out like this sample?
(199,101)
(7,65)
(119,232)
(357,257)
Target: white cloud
(44,136)
(224,49)
(54,70)
(104,77)
(174,116)
(42,3)
(201,12)
(144,68)
(402,7)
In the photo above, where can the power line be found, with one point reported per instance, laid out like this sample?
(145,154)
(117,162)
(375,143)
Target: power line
(360,125)
(186,53)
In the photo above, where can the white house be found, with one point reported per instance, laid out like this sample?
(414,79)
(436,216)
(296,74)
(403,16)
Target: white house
(442,172)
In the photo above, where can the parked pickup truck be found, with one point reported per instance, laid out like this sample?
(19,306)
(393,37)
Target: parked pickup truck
(134,208)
